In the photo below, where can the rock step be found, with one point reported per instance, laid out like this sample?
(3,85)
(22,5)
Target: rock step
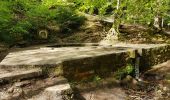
(19,75)
(57,92)
(28,89)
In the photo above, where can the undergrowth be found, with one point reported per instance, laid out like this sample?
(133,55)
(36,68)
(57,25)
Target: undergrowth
(124,71)
(22,19)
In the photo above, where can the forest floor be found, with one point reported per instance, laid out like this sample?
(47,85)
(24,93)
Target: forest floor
(154,85)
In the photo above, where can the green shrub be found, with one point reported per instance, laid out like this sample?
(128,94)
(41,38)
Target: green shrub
(95,7)
(21,19)
(67,19)
(122,72)
(5,21)
(13,26)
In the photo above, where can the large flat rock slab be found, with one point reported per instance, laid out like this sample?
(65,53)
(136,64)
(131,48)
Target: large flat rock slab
(15,75)
(50,55)
(85,61)
(57,92)
(55,55)
(139,46)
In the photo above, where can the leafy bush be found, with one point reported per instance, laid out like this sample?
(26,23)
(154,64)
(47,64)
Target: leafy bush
(124,71)
(144,12)
(69,20)
(21,19)
(13,26)
(5,20)
(95,6)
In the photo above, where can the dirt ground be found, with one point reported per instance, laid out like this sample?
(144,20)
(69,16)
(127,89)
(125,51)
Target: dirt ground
(153,85)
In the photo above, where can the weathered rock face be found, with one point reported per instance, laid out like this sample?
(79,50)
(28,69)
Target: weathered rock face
(102,65)
(154,56)
(83,62)
(37,89)
(57,92)
(3,53)
(73,62)
(9,75)
(150,54)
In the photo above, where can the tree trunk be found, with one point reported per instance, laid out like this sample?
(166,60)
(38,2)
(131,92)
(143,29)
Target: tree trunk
(158,18)
(113,34)
(115,27)
(158,23)
(118,4)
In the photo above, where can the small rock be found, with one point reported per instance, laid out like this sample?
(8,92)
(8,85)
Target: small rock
(158,77)
(58,92)
(4,88)
(165,88)
(17,92)
(17,95)
(129,81)
(10,90)
(4,96)
(126,80)
(140,79)
(159,93)
(160,86)
(134,81)
(22,84)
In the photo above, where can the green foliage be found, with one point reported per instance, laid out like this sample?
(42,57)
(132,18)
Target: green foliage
(5,19)
(69,20)
(21,19)
(95,6)
(96,78)
(144,11)
(124,71)
(130,11)
(14,25)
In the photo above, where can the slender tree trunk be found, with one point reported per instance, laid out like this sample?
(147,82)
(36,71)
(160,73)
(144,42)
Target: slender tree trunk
(113,34)
(158,18)
(116,22)
(162,25)
(118,4)
(158,23)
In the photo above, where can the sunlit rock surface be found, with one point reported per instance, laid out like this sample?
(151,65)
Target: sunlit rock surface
(83,61)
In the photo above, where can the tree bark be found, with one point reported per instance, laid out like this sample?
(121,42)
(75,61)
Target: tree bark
(113,34)
(158,23)
(118,4)
(158,18)
(115,27)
